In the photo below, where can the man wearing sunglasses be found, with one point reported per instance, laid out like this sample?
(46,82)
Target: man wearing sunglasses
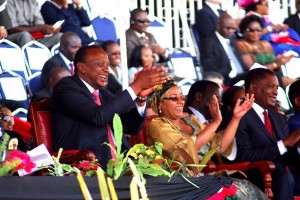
(219,52)
(137,35)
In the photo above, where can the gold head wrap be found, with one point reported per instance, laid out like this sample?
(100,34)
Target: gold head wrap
(158,94)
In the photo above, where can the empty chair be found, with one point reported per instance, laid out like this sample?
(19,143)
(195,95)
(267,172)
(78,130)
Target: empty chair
(104,28)
(12,59)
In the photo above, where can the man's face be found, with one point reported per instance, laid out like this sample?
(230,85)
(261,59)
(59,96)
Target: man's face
(69,50)
(94,70)
(265,91)
(227,28)
(141,22)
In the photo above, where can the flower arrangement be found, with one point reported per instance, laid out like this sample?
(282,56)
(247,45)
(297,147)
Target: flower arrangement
(16,160)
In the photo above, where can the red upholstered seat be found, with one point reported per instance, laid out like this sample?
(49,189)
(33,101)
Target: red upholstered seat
(40,113)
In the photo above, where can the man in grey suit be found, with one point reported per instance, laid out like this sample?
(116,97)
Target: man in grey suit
(69,44)
(137,35)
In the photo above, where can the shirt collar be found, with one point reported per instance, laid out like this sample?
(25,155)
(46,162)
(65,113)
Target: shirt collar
(90,88)
(199,116)
(65,59)
(143,34)
(259,110)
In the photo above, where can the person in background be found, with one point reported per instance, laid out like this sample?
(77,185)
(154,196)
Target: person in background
(280,36)
(7,123)
(220,54)
(137,35)
(142,56)
(86,109)
(25,20)
(113,52)
(69,44)
(73,14)
(253,50)
(214,77)
(293,21)
(56,74)
(294,97)
(206,18)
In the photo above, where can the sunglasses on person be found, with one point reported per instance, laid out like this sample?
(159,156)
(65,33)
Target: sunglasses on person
(143,21)
(175,99)
(114,54)
(8,118)
(252,30)
(230,28)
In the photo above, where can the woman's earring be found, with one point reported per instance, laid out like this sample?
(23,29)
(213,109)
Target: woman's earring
(159,111)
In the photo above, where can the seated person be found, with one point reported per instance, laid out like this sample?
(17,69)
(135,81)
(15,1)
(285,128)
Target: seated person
(294,97)
(73,14)
(86,109)
(6,124)
(281,37)
(25,19)
(56,74)
(69,44)
(113,52)
(253,50)
(185,137)
(142,56)
(137,35)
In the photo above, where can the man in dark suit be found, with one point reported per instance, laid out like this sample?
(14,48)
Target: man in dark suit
(137,35)
(69,44)
(79,123)
(206,18)
(219,52)
(294,20)
(199,98)
(267,138)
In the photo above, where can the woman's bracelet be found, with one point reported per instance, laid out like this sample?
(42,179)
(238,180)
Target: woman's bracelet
(275,66)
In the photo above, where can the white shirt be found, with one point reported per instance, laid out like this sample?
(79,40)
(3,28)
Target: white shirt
(66,60)
(198,114)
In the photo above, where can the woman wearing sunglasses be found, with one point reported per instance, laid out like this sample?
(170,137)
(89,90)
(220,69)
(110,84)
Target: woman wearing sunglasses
(253,50)
(183,137)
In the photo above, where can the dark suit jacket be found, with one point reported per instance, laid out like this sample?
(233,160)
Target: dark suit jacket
(255,143)
(206,21)
(294,22)
(75,19)
(54,61)
(78,123)
(114,86)
(214,58)
(132,40)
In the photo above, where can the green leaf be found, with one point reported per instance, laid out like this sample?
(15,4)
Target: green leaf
(208,156)
(158,147)
(118,132)
(110,167)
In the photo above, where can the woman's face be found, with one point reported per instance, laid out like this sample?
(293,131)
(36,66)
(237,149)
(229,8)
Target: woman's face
(7,120)
(253,32)
(172,103)
(147,56)
(114,55)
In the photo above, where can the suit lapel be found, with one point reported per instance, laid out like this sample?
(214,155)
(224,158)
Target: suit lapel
(259,123)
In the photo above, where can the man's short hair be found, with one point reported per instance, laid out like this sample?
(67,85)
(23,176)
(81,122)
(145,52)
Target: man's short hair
(256,75)
(201,86)
(82,52)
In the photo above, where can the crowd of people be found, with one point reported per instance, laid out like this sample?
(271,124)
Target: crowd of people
(84,82)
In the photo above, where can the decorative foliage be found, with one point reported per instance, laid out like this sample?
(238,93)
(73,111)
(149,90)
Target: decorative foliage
(16,160)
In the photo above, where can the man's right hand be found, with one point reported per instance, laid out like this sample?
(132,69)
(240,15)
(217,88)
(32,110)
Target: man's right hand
(3,32)
(46,29)
(292,138)
(147,79)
